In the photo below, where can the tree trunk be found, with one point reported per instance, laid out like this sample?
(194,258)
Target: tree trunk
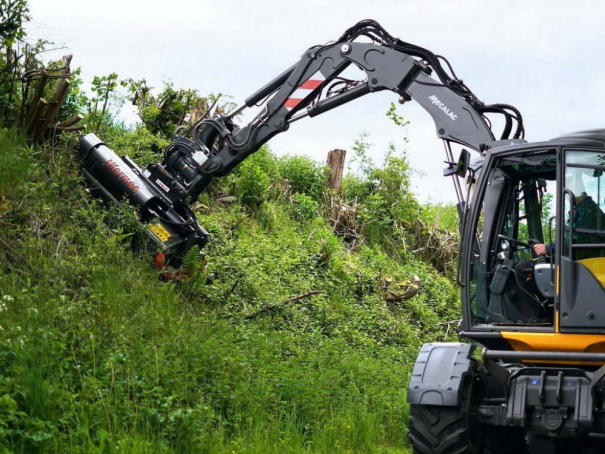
(34,119)
(38,93)
(53,108)
(336,163)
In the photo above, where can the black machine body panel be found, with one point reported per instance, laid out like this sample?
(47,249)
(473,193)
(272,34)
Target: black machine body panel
(440,373)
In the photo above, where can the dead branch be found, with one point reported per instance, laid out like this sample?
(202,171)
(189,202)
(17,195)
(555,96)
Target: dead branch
(70,122)
(271,307)
(451,322)
(410,293)
(71,128)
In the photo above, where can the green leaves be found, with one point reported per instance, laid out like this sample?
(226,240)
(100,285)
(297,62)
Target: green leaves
(104,89)
(14,14)
(304,175)
(305,207)
(395,117)
(251,185)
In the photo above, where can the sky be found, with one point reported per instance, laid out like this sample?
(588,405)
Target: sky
(543,57)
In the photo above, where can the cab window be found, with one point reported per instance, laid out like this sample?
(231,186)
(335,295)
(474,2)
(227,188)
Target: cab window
(585,209)
(514,216)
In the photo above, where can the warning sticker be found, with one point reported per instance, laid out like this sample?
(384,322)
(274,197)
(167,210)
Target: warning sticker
(159,231)
(162,185)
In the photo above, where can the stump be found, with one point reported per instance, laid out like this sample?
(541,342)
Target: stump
(336,163)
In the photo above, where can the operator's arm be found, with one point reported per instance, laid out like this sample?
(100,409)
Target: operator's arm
(544,249)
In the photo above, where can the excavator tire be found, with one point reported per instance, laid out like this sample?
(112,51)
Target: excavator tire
(445,430)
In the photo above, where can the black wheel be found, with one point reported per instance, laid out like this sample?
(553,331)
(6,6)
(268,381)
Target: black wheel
(445,430)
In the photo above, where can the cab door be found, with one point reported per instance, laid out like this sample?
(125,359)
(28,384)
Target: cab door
(581,242)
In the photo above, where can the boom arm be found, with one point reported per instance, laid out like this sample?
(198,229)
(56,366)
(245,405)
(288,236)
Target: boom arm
(385,68)
(309,88)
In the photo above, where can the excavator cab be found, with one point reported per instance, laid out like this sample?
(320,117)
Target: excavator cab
(506,283)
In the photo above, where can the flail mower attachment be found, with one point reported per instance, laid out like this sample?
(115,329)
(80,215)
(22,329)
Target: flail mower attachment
(155,192)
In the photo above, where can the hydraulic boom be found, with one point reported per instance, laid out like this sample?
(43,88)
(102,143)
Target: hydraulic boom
(310,87)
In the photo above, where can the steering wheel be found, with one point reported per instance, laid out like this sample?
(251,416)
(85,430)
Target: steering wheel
(513,240)
(530,246)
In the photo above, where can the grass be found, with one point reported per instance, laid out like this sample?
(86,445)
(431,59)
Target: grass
(98,355)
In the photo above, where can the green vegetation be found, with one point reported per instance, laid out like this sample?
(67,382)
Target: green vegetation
(100,355)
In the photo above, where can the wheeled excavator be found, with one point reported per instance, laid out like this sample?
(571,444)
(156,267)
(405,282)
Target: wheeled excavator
(529,370)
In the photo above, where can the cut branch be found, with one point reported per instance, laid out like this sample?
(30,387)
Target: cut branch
(65,66)
(72,121)
(71,128)
(53,109)
(35,117)
(271,307)
(38,93)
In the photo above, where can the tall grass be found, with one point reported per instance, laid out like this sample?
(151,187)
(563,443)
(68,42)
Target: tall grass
(14,158)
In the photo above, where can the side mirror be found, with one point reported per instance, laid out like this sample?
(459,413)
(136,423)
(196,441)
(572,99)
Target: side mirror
(463,163)
(459,168)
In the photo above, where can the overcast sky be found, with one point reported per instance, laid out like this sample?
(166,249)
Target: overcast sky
(544,57)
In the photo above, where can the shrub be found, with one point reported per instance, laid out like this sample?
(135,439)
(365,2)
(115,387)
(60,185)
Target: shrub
(139,144)
(304,175)
(251,185)
(305,208)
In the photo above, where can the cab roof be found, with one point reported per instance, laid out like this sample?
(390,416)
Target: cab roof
(590,138)
(593,137)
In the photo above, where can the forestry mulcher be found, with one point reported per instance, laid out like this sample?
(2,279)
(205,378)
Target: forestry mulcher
(532,263)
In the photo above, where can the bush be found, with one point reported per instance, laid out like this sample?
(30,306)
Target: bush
(304,175)
(305,208)
(251,185)
(139,144)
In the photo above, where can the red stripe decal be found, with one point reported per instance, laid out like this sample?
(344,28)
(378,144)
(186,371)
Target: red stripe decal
(292,102)
(311,84)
